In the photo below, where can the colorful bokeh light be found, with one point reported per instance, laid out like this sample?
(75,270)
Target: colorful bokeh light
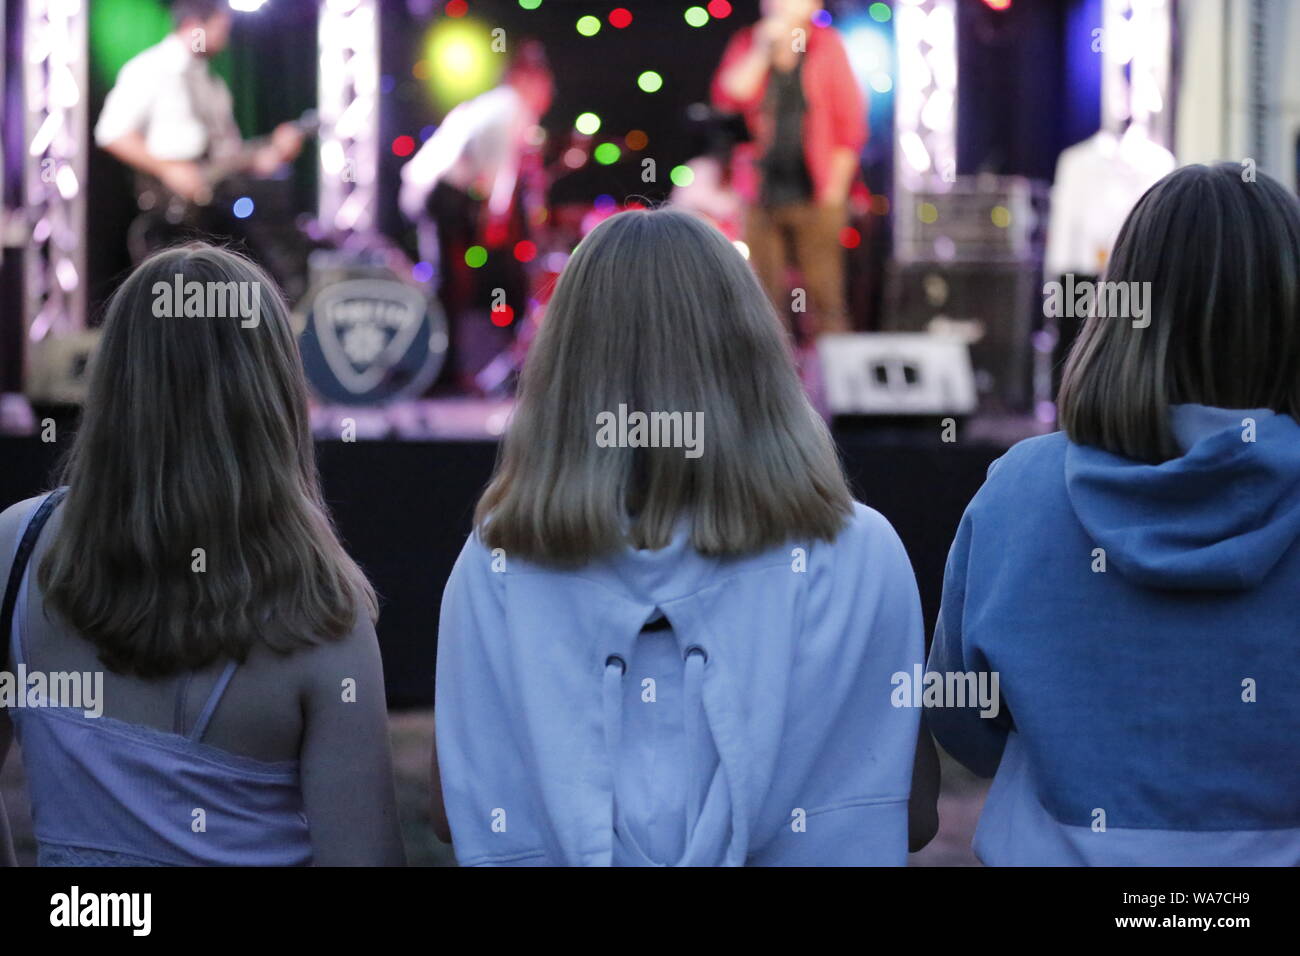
(650,82)
(461,62)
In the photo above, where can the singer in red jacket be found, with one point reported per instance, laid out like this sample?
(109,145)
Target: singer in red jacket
(792,81)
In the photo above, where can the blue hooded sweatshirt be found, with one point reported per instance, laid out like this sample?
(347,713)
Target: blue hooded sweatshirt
(1142,621)
(751,723)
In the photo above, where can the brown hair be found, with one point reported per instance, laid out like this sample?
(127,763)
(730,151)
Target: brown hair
(657,311)
(195,435)
(1222,253)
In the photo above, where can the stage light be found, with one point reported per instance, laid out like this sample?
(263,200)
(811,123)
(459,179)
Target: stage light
(588,26)
(636,140)
(422,272)
(604,203)
(503,315)
(242,208)
(850,238)
(1001,216)
(403,145)
(880,12)
(456,8)
(462,63)
(525,250)
(588,124)
(574,157)
(607,154)
(475,256)
(918,157)
(925,90)
(822,18)
(719,9)
(650,81)
(682,176)
(696,16)
(530,4)
(620,18)
(54,80)
(998,4)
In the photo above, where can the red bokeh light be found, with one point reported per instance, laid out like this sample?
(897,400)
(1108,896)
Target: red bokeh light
(850,238)
(620,17)
(403,146)
(719,9)
(525,251)
(456,8)
(503,316)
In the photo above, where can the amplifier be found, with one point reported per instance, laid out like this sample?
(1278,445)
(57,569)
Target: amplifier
(994,306)
(975,219)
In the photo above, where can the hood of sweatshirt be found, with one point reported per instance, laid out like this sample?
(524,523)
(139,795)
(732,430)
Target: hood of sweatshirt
(1220,516)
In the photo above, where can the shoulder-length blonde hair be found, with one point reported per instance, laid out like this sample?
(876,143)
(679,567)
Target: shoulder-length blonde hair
(195,436)
(657,312)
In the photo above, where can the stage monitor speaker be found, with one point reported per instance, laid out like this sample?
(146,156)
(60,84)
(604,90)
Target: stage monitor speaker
(58,371)
(994,306)
(896,375)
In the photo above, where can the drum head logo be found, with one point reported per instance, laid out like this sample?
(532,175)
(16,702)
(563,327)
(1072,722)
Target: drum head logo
(370,340)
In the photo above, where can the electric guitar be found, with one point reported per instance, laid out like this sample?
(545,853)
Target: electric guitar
(152,194)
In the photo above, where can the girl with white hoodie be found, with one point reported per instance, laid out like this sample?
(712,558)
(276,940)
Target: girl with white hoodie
(671,637)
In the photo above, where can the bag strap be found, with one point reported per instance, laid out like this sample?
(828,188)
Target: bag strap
(23,554)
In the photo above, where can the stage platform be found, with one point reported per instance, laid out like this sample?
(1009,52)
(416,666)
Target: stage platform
(404,502)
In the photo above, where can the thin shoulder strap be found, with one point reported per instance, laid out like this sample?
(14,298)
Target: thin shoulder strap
(214,699)
(18,571)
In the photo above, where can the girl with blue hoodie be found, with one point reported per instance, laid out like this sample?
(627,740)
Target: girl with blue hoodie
(671,637)
(1132,579)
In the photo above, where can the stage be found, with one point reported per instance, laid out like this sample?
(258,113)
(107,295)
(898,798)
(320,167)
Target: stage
(404,505)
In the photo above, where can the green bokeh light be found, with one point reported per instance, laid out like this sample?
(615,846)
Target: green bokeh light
(682,176)
(696,16)
(530,4)
(880,12)
(607,154)
(588,26)
(588,124)
(650,81)
(475,256)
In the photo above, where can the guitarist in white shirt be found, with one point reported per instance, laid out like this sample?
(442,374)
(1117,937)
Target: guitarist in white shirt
(168,114)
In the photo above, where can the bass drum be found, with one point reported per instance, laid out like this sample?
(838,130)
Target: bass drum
(368,336)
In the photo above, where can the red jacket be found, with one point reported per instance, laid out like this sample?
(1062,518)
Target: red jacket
(836,114)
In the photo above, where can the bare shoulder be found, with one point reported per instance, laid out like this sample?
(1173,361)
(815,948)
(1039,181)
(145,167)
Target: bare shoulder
(328,666)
